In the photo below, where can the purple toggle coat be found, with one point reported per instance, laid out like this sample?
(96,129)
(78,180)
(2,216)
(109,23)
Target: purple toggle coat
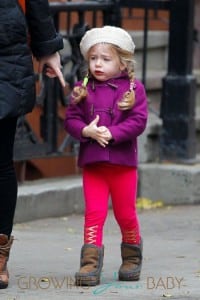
(125,126)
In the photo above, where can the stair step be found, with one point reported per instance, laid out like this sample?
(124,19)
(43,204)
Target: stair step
(148,142)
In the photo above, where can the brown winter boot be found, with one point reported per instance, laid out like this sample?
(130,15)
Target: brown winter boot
(5,245)
(131,262)
(90,265)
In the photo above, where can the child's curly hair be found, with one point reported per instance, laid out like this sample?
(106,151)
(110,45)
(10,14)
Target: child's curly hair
(128,100)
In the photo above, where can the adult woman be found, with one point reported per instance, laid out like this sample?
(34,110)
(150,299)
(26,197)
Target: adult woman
(17,93)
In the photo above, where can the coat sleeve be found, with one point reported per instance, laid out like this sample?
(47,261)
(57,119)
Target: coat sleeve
(134,122)
(44,40)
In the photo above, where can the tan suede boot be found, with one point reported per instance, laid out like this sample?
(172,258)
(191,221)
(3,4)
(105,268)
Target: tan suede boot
(90,265)
(131,262)
(5,246)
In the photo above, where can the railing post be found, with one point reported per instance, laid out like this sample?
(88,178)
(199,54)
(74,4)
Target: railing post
(179,87)
(49,117)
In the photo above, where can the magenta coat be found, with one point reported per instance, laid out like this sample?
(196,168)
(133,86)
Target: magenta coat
(125,126)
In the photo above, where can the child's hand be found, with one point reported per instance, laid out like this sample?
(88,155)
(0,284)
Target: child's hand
(104,136)
(105,133)
(91,129)
(100,134)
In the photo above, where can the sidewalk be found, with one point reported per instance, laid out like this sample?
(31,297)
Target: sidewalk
(45,256)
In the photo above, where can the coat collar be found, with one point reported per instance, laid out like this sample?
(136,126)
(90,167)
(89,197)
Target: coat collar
(113,82)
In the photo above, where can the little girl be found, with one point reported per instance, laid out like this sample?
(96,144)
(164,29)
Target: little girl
(107,112)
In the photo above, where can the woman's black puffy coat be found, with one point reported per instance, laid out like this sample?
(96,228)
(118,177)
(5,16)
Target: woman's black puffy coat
(17,80)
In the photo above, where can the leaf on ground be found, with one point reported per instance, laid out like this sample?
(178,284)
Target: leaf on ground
(68,249)
(146,203)
(197,273)
(71,230)
(64,218)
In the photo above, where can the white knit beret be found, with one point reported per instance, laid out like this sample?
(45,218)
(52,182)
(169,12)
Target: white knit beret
(107,34)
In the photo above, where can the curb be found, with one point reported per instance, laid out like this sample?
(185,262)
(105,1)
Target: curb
(49,198)
(174,184)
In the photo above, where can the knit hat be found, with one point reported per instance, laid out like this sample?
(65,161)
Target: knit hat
(107,34)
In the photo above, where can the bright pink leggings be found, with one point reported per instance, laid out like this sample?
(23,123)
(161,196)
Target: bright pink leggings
(120,182)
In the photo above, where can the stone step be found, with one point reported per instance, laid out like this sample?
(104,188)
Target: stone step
(148,142)
(170,183)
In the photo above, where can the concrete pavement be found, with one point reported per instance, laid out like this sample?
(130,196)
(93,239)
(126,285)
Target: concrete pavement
(45,256)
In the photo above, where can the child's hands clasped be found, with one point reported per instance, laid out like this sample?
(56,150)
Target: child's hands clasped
(101,134)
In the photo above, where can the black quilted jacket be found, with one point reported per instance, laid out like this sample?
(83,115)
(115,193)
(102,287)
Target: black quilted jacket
(17,81)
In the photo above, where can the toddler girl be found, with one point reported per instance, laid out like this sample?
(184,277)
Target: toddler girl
(107,112)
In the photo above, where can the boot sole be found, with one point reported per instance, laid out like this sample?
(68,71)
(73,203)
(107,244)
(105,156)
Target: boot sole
(129,277)
(86,281)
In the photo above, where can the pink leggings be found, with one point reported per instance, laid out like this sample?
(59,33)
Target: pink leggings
(120,182)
